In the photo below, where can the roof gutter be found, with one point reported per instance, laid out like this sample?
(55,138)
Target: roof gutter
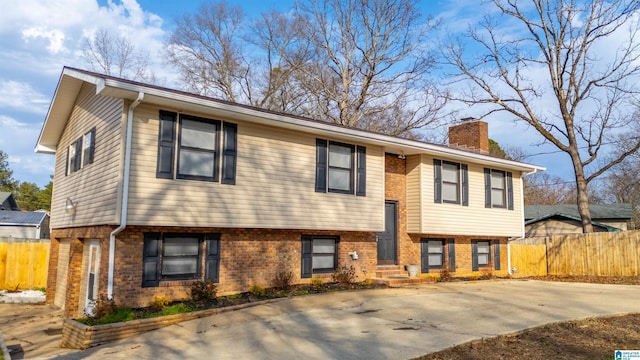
(125,194)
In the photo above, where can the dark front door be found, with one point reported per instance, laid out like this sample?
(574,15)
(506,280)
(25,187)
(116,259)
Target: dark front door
(387,240)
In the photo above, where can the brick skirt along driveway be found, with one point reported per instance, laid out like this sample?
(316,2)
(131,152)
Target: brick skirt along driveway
(377,324)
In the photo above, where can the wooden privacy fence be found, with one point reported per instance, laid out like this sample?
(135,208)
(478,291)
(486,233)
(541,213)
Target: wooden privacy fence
(596,254)
(23,263)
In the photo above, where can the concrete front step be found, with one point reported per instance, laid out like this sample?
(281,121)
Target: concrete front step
(397,281)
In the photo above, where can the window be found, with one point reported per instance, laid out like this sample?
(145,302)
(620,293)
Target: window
(179,257)
(484,253)
(89,147)
(481,254)
(498,189)
(197,149)
(80,153)
(451,183)
(206,148)
(433,254)
(340,168)
(319,254)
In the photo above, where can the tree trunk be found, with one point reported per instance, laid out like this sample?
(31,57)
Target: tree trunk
(582,197)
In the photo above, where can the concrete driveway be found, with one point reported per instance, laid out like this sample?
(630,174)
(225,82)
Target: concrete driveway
(397,323)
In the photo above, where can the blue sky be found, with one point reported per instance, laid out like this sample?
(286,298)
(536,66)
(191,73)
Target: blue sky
(39,37)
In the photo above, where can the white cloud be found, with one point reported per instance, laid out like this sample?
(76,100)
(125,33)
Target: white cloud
(55,37)
(21,96)
(17,140)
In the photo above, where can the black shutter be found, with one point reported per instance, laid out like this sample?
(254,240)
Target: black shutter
(465,185)
(451,253)
(229,153)
(92,148)
(474,255)
(510,190)
(437,181)
(487,188)
(77,160)
(151,260)
(496,254)
(321,165)
(166,145)
(307,256)
(212,263)
(424,255)
(361,175)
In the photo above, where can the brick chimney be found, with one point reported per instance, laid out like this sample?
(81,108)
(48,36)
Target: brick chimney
(472,133)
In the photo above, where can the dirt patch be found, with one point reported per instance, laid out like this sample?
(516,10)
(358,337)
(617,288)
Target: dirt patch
(595,338)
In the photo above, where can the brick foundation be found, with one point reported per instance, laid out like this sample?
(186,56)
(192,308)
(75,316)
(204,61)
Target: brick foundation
(247,257)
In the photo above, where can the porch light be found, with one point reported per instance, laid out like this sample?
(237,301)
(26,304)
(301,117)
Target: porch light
(70,206)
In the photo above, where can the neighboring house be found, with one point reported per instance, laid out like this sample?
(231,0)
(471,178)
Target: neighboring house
(156,188)
(8,202)
(547,220)
(24,224)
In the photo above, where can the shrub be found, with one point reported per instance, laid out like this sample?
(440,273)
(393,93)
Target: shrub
(445,275)
(158,303)
(283,280)
(344,275)
(257,290)
(486,274)
(102,307)
(316,282)
(203,291)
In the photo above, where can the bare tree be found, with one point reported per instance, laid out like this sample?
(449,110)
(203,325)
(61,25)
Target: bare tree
(117,56)
(207,50)
(369,68)
(555,69)
(545,189)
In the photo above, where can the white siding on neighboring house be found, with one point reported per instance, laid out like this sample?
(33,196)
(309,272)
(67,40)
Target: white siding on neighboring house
(93,188)
(275,185)
(456,219)
(24,232)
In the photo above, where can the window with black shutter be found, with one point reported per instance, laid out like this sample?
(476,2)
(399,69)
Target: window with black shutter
(341,168)
(451,182)
(203,149)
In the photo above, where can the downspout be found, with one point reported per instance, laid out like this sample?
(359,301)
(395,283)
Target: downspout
(522,230)
(125,194)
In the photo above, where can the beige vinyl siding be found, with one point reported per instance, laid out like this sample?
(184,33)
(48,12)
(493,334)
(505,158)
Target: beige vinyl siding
(414,190)
(275,185)
(94,187)
(475,219)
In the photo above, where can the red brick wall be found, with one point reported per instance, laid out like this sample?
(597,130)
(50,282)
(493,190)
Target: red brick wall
(409,244)
(471,134)
(247,257)
(73,304)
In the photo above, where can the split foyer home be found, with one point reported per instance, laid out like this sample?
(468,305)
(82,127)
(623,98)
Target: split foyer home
(156,188)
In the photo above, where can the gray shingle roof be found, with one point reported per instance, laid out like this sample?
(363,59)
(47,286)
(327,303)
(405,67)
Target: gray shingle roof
(21,217)
(614,211)
(4,196)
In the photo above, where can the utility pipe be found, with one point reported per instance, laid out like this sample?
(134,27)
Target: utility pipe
(125,194)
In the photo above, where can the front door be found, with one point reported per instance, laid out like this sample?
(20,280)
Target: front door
(387,240)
